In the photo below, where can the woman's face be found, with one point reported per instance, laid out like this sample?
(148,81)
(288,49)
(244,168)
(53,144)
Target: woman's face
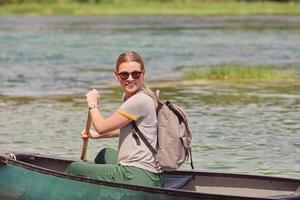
(130,76)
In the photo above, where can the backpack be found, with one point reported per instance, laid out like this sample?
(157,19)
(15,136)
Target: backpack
(174,136)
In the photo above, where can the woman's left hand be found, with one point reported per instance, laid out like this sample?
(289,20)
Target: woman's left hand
(92,134)
(84,135)
(92,97)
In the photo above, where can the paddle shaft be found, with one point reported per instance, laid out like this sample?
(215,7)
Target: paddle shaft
(86,142)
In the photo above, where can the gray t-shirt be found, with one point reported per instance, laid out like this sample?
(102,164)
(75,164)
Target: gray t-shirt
(132,150)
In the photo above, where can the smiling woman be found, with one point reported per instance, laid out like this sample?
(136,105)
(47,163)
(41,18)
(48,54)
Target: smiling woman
(130,72)
(134,162)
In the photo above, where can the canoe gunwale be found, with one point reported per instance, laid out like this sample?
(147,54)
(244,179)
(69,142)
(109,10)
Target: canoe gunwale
(236,175)
(172,192)
(3,161)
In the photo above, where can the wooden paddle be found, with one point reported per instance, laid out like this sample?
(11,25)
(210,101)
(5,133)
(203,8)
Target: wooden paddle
(86,142)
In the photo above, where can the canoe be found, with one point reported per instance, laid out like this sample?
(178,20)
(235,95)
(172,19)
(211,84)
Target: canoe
(33,176)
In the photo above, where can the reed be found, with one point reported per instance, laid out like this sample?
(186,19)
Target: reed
(236,72)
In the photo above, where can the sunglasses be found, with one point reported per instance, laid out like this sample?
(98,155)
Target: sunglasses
(134,75)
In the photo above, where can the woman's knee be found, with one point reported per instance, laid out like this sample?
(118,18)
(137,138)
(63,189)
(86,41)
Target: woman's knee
(107,156)
(74,167)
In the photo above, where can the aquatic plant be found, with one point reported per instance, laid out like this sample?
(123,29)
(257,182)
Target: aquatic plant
(237,72)
(144,7)
(17,99)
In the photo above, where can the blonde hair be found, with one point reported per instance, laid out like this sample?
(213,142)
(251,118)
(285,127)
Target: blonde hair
(129,56)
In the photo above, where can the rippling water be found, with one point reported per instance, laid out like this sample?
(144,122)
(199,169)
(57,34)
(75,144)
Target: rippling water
(67,54)
(47,63)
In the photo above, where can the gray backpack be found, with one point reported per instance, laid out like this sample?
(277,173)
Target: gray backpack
(174,136)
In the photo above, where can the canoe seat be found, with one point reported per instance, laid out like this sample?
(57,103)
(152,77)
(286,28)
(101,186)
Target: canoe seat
(176,181)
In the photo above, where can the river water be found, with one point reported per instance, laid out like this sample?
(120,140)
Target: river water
(48,63)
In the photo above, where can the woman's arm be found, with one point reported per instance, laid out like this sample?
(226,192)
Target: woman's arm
(105,127)
(96,135)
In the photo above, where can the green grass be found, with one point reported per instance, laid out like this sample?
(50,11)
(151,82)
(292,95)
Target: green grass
(240,73)
(152,8)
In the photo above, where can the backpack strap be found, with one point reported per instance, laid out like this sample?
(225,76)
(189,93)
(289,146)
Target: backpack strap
(143,138)
(155,97)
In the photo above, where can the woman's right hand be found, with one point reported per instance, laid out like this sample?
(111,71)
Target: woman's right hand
(92,97)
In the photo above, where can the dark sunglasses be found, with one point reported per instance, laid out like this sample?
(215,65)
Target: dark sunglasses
(134,75)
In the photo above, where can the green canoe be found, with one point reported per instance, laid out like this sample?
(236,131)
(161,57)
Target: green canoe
(29,176)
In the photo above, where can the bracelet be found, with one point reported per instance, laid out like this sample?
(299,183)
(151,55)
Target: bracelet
(91,106)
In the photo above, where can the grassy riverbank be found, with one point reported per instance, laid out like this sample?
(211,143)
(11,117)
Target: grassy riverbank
(152,8)
(241,73)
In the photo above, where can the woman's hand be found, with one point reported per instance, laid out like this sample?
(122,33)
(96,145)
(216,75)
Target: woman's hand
(92,97)
(92,134)
(84,135)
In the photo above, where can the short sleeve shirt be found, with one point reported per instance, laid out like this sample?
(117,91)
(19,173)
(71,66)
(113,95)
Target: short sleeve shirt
(132,151)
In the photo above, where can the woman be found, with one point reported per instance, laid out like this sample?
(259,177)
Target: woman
(135,163)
